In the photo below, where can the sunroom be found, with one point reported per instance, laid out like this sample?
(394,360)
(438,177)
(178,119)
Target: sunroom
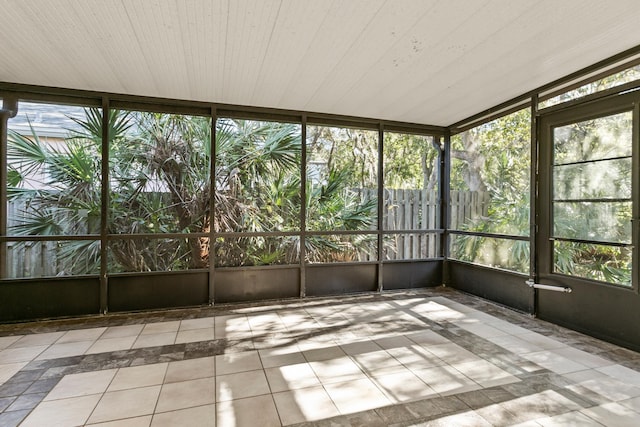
(164,155)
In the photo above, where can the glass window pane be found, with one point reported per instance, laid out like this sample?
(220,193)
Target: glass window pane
(491,252)
(411,173)
(597,262)
(342,176)
(601,221)
(258,167)
(256,250)
(159,170)
(490,174)
(597,139)
(153,254)
(617,79)
(54,170)
(406,246)
(341,248)
(595,180)
(53,258)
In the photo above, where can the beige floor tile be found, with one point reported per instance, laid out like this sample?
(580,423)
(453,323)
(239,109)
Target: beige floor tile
(281,356)
(138,376)
(514,344)
(85,383)
(192,369)
(122,331)
(633,404)
(241,385)
(570,419)
(160,327)
(201,323)
(554,362)
(200,416)
(291,377)
(614,415)
(446,380)
(7,341)
(237,362)
(586,375)
(293,322)
(455,305)
(482,330)
(35,340)
(485,373)
(505,326)
(154,340)
(525,424)
(544,343)
(415,357)
(337,370)
(403,387)
(277,340)
(57,351)
(378,363)
(351,347)
(306,404)
(144,421)
(106,345)
(10,369)
(305,327)
(64,412)
(91,334)
(428,338)
(464,419)
(186,394)
(232,326)
(441,313)
(479,316)
(322,352)
(587,359)
(452,353)
(123,404)
(356,396)
(622,373)
(612,389)
(266,323)
(195,335)
(20,354)
(250,412)
(395,341)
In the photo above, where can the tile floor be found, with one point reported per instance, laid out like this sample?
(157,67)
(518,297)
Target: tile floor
(431,357)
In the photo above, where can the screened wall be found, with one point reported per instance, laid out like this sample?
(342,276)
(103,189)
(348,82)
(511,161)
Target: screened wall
(129,208)
(117,203)
(551,227)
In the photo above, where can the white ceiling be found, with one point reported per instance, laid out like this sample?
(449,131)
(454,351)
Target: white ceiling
(421,61)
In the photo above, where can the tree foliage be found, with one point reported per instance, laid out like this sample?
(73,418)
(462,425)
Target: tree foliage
(160,183)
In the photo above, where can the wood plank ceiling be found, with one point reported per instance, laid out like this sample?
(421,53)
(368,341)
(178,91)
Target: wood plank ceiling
(419,61)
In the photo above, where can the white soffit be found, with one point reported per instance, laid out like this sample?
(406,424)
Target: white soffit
(419,61)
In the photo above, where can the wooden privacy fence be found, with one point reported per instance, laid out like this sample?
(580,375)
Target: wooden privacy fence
(468,206)
(411,212)
(415,210)
(35,258)
(419,210)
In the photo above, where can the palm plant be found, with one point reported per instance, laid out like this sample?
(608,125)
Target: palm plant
(159,168)
(58,189)
(160,184)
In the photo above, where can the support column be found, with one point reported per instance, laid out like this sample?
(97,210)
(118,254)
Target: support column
(9,109)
